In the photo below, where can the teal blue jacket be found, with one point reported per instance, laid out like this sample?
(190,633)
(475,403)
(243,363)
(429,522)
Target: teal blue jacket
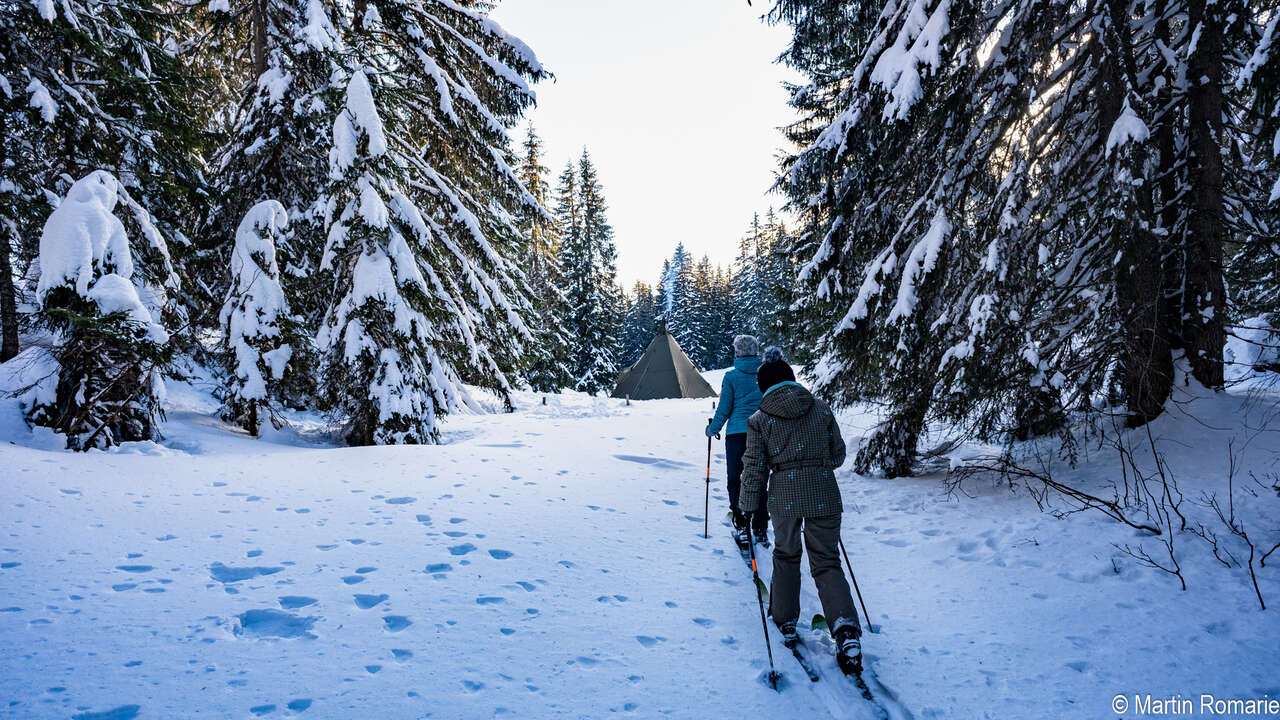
(739,397)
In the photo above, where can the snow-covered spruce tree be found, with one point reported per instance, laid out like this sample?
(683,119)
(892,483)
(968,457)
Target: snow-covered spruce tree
(277,148)
(1008,216)
(383,372)
(677,296)
(702,326)
(422,214)
(103,309)
(87,86)
(777,277)
(589,262)
(748,286)
(548,365)
(457,82)
(259,335)
(720,302)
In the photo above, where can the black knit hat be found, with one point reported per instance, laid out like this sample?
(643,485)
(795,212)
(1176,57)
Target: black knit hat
(774,370)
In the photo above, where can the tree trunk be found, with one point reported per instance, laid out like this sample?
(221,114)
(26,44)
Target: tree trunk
(1204,301)
(1146,359)
(1173,250)
(251,418)
(259,37)
(8,307)
(358,11)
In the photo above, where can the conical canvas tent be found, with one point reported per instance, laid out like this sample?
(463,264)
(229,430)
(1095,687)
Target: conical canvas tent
(663,371)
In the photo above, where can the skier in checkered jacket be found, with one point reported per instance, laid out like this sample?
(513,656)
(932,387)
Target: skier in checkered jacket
(793,448)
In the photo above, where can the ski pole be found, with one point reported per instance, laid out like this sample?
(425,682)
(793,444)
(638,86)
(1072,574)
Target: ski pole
(849,565)
(706,503)
(768,646)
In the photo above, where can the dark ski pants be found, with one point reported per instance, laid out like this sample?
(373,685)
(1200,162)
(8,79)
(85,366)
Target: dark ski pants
(734,446)
(822,543)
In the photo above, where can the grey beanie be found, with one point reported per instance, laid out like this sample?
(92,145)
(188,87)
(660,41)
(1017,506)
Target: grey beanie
(745,346)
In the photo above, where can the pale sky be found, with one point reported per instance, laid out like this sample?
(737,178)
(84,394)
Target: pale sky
(678,101)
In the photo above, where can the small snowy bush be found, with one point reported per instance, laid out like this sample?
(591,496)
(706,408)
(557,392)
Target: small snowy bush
(256,326)
(109,347)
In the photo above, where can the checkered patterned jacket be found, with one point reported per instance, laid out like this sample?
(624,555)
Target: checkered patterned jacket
(794,445)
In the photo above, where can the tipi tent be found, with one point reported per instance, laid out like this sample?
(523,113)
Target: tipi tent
(663,371)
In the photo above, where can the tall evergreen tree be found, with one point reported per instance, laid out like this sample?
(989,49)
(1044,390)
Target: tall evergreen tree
(548,368)
(421,216)
(589,262)
(678,296)
(748,286)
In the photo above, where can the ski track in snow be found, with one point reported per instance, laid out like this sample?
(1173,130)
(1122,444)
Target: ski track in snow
(550,563)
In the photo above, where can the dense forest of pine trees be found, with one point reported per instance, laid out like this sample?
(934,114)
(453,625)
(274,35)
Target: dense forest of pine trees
(318,201)
(704,306)
(1013,215)
(1003,219)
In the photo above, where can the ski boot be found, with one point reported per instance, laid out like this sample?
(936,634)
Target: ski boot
(789,636)
(848,649)
(762,539)
(742,536)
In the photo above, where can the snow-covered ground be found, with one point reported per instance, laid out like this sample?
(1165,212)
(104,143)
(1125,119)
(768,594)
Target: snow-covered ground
(550,563)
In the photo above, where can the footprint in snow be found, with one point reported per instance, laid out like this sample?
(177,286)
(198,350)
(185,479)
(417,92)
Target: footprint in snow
(648,642)
(227,574)
(462,549)
(260,710)
(293,602)
(353,579)
(396,623)
(401,655)
(439,568)
(364,602)
(490,600)
(500,554)
(273,623)
(654,461)
(124,712)
(400,500)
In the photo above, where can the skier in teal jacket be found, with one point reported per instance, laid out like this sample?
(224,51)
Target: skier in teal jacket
(739,399)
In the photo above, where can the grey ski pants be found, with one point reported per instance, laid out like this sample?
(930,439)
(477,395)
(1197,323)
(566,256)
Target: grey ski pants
(822,543)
